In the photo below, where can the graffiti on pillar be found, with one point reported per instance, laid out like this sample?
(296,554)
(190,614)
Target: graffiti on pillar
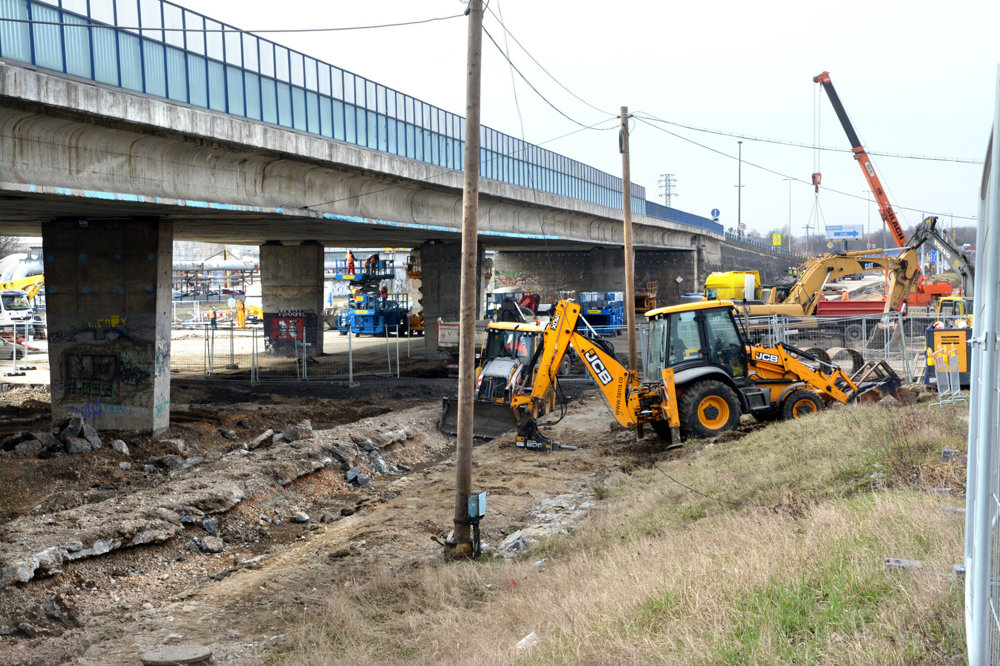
(514,279)
(285,328)
(106,327)
(110,378)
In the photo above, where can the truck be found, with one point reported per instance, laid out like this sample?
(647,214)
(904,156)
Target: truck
(703,374)
(733,285)
(16,310)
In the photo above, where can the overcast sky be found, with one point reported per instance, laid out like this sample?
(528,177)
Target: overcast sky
(916,77)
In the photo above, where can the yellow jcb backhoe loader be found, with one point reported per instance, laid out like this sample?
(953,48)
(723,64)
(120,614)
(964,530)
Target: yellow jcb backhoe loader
(702,375)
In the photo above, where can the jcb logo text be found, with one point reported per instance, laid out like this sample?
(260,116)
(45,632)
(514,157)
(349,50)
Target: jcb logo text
(597,365)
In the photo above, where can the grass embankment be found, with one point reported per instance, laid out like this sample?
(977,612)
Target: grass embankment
(777,558)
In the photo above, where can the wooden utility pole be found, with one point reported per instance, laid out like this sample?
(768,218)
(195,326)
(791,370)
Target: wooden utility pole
(629,252)
(467,316)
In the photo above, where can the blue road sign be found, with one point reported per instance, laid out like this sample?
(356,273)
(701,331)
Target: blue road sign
(844,231)
(715,213)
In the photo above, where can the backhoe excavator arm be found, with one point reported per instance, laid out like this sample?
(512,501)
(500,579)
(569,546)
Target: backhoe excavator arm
(817,272)
(927,233)
(611,376)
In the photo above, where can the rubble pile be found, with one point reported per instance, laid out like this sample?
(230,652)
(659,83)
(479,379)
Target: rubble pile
(198,487)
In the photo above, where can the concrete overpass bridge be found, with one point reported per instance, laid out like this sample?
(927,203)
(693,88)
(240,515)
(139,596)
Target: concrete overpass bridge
(114,141)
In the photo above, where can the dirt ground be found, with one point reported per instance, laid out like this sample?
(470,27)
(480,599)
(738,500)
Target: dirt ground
(111,607)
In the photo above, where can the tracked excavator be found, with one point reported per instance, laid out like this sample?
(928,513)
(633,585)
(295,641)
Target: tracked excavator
(703,374)
(803,297)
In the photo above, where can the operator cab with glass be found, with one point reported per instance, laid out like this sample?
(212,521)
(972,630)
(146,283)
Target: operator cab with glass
(694,337)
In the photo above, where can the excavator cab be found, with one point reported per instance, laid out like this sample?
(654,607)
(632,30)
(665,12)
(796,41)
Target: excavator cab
(687,337)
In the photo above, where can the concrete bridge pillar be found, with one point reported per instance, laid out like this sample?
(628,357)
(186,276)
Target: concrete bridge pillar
(599,269)
(291,278)
(107,294)
(441,266)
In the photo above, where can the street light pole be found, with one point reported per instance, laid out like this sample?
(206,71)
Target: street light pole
(739,192)
(789,213)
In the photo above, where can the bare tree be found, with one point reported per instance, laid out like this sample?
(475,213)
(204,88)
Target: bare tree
(9,245)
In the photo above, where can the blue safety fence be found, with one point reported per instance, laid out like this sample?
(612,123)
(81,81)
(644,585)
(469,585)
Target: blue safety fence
(160,48)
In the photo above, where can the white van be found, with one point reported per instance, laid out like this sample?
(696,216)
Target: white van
(15,309)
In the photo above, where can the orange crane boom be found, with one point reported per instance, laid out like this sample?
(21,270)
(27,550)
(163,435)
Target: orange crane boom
(884,207)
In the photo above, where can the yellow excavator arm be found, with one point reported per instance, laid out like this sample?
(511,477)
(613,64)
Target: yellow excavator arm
(29,285)
(560,335)
(804,295)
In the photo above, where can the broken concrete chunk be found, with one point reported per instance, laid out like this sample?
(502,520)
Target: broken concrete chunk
(899,564)
(352,474)
(100,547)
(305,429)
(49,441)
(169,461)
(176,444)
(125,465)
(228,434)
(28,449)
(177,654)
(69,427)
(89,434)
(11,442)
(363,481)
(299,517)
(76,445)
(291,434)
(210,544)
(62,609)
(260,439)
(210,526)
(120,447)
(278,438)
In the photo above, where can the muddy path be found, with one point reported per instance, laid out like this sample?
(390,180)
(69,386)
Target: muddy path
(273,570)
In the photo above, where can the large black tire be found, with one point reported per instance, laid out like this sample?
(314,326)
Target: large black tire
(800,403)
(853,334)
(708,408)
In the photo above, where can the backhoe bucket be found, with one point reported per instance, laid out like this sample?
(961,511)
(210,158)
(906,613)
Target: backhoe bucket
(489,419)
(875,380)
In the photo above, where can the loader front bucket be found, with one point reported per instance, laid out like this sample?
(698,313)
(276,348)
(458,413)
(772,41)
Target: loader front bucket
(875,380)
(489,419)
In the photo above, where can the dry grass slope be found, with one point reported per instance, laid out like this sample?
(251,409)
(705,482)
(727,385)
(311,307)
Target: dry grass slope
(764,550)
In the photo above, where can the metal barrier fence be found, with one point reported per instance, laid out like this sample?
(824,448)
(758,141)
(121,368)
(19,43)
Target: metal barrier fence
(160,48)
(230,353)
(849,342)
(982,512)
(15,346)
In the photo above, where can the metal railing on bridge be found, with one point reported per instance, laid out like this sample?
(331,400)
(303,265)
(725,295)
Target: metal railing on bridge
(160,48)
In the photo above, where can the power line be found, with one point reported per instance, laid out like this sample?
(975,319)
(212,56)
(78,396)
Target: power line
(794,144)
(784,175)
(530,85)
(231,29)
(542,67)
